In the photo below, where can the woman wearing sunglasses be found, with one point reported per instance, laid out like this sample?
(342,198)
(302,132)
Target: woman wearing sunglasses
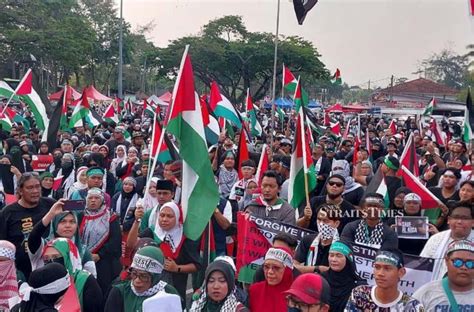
(145,282)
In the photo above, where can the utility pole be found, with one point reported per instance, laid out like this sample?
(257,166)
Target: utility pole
(369,86)
(120,73)
(391,89)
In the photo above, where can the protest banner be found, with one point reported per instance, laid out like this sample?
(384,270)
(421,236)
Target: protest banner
(255,236)
(418,269)
(412,227)
(41,162)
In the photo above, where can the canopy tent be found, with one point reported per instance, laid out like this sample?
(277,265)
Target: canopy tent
(57,95)
(354,108)
(166,97)
(92,93)
(288,103)
(336,108)
(314,104)
(153,98)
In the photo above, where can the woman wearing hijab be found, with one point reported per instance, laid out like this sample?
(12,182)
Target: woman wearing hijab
(47,181)
(250,189)
(120,152)
(61,224)
(44,149)
(108,179)
(45,287)
(8,278)
(64,251)
(125,169)
(81,181)
(125,200)
(9,175)
(268,294)
(397,205)
(68,173)
(218,291)
(145,281)
(100,233)
(353,191)
(104,150)
(150,200)
(342,275)
(227,175)
(181,253)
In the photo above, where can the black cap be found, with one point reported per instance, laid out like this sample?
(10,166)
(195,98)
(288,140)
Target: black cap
(165,185)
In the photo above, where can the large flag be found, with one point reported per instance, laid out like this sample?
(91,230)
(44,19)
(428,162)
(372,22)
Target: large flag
(81,112)
(255,127)
(58,120)
(289,84)
(336,78)
(110,114)
(25,86)
(199,192)
(468,118)
(409,158)
(378,185)
(15,117)
(302,174)
(5,122)
(222,107)
(429,109)
(302,8)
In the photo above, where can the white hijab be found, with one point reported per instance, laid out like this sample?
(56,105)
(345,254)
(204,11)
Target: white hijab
(174,235)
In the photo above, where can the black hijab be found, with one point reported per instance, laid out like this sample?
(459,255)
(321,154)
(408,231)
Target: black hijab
(39,278)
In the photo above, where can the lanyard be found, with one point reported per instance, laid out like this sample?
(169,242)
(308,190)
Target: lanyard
(452,301)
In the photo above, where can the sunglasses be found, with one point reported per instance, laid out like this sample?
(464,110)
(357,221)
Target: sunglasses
(338,184)
(458,263)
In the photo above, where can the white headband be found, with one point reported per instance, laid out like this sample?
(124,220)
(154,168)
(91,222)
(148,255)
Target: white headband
(49,289)
(281,256)
(147,264)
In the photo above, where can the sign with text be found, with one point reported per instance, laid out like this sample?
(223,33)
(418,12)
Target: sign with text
(418,269)
(412,227)
(41,162)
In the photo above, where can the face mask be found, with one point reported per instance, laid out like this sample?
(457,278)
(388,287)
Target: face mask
(66,165)
(325,230)
(59,260)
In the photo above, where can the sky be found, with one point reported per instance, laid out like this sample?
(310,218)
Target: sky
(365,39)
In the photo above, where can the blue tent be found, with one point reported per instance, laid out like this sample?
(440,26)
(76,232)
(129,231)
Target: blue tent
(288,103)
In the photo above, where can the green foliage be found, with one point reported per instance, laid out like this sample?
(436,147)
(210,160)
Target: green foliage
(356,95)
(448,68)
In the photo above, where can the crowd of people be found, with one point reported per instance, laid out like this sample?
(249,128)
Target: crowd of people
(98,226)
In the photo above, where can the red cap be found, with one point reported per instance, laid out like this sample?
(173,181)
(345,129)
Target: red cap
(310,288)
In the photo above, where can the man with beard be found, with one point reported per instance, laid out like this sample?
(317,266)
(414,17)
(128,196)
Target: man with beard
(334,188)
(17,219)
(455,290)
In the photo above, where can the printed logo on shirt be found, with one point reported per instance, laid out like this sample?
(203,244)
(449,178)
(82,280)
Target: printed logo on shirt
(26,228)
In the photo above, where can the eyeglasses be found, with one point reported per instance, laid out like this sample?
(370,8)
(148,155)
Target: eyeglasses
(338,184)
(144,277)
(274,268)
(301,306)
(458,263)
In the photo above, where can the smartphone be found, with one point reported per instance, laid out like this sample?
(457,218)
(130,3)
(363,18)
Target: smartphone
(74,205)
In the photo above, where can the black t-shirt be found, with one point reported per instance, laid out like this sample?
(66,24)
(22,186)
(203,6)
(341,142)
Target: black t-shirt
(16,223)
(437,191)
(346,207)
(303,250)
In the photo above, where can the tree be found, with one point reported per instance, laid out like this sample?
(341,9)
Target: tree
(357,94)
(225,51)
(447,67)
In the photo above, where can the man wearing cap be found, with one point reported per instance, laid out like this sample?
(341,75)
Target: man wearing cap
(95,178)
(384,295)
(346,147)
(285,147)
(460,221)
(118,139)
(371,231)
(137,141)
(238,189)
(456,291)
(164,194)
(308,292)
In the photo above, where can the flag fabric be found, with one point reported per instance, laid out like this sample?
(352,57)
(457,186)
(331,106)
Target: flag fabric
(58,119)
(64,102)
(57,182)
(336,78)
(159,144)
(346,130)
(393,127)
(327,120)
(289,84)
(302,7)
(80,112)
(355,154)
(17,118)
(280,114)
(222,107)
(242,152)
(378,185)
(6,91)
(436,132)
(429,109)
(302,175)
(471,8)
(468,118)
(336,128)
(110,115)
(263,164)
(26,84)
(409,158)
(199,191)
(255,127)
(368,144)
(5,123)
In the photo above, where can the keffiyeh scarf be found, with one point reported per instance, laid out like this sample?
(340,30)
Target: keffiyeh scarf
(362,235)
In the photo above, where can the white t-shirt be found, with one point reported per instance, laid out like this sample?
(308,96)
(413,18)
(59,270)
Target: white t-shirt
(433,298)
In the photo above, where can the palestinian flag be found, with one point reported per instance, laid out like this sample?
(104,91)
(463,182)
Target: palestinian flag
(378,185)
(58,120)
(82,111)
(302,7)
(118,105)
(222,107)
(255,127)
(336,78)
(110,116)
(149,109)
(6,91)
(289,84)
(242,152)
(429,109)
(429,202)
(159,144)
(302,174)
(346,130)
(263,164)
(436,132)
(199,192)
(5,123)
(393,127)
(409,158)
(468,119)
(63,103)
(17,118)
(280,114)
(355,154)
(336,128)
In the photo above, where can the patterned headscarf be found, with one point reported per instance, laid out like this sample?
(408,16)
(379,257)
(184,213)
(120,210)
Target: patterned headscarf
(8,283)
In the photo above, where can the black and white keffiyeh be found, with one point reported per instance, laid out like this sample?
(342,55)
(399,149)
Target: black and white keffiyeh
(230,303)
(374,239)
(160,286)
